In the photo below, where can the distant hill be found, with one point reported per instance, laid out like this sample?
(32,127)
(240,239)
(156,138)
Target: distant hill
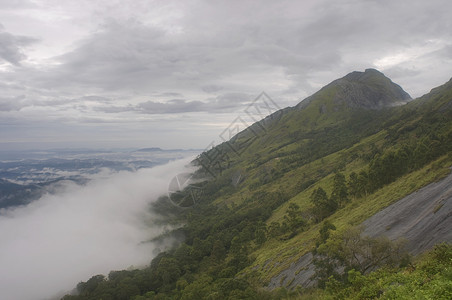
(153,149)
(156,149)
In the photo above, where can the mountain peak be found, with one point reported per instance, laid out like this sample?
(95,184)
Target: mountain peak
(370,89)
(361,76)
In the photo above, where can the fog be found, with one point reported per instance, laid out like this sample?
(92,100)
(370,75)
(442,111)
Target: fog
(49,246)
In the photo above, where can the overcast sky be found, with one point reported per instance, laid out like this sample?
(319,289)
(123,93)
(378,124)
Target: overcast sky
(174,74)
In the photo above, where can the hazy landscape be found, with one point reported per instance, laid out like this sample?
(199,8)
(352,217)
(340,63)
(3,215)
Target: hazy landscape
(27,175)
(79,210)
(225,150)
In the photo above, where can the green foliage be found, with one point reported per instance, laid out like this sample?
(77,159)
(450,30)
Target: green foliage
(325,231)
(339,193)
(274,230)
(323,206)
(351,153)
(294,219)
(349,250)
(430,278)
(261,233)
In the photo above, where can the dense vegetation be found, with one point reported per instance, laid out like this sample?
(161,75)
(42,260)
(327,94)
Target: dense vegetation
(304,185)
(429,278)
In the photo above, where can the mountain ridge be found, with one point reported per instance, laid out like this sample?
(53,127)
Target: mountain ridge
(292,190)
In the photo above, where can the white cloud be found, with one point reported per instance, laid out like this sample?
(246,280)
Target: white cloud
(411,54)
(59,240)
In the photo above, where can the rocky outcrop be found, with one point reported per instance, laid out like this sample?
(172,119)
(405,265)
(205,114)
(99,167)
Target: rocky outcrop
(423,218)
(298,274)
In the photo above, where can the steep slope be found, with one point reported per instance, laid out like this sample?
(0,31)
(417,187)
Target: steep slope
(424,218)
(324,123)
(277,185)
(355,103)
(322,150)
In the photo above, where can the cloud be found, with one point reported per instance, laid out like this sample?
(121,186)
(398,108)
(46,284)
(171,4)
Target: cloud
(13,103)
(59,240)
(221,104)
(172,106)
(16,4)
(290,42)
(169,94)
(11,46)
(212,88)
(148,58)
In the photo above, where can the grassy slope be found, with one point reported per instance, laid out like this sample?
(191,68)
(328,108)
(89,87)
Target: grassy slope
(281,255)
(299,152)
(277,255)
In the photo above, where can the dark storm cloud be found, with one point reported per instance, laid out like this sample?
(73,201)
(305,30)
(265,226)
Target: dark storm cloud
(11,46)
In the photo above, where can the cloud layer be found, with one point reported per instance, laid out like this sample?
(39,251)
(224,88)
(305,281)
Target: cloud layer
(53,243)
(116,62)
(11,46)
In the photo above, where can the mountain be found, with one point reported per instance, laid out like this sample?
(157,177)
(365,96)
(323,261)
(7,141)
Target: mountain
(370,89)
(279,210)
(152,149)
(348,108)
(15,194)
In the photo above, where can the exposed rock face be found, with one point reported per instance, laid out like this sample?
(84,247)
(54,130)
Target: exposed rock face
(298,274)
(424,218)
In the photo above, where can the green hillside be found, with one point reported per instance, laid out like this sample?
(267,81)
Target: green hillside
(294,188)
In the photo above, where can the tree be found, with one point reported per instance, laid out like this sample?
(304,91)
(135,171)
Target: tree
(363,183)
(293,218)
(348,249)
(85,288)
(363,253)
(218,251)
(183,255)
(340,193)
(200,289)
(261,233)
(168,270)
(325,231)
(323,206)
(353,185)
(274,229)
(239,253)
